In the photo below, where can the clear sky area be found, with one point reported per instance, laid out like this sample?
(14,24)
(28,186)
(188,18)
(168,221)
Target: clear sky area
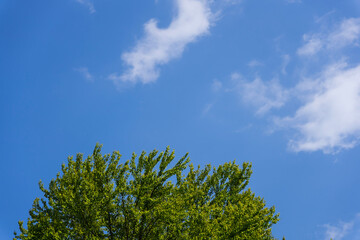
(273,82)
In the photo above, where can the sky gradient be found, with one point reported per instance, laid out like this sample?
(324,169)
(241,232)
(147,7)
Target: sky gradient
(273,82)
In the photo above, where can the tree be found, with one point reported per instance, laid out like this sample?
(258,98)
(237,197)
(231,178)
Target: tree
(145,198)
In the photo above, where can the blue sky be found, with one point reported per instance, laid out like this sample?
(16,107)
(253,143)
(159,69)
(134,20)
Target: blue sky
(274,82)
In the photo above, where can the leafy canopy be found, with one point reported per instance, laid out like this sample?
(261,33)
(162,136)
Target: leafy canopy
(145,198)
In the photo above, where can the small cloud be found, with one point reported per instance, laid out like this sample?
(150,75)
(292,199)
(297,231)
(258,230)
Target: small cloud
(159,46)
(344,34)
(85,73)
(232,2)
(88,4)
(207,108)
(293,1)
(285,63)
(264,96)
(114,78)
(235,76)
(343,230)
(216,85)
(244,128)
(313,45)
(119,84)
(347,33)
(338,232)
(220,5)
(324,17)
(255,63)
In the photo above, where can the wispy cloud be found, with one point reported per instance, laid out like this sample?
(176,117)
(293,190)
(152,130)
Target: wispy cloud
(88,4)
(285,62)
(338,232)
(293,1)
(313,44)
(264,96)
(84,71)
(255,63)
(343,230)
(207,108)
(328,111)
(232,2)
(344,34)
(159,46)
(329,118)
(216,85)
(324,17)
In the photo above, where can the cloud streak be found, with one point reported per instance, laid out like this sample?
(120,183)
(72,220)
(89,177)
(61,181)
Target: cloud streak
(159,46)
(84,71)
(344,34)
(343,230)
(264,96)
(293,1)
(88,4)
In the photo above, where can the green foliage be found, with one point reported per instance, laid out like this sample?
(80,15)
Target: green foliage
(99,198)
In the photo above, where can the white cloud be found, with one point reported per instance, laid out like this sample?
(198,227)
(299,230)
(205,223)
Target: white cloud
(255,63)
(329,118)
(343,230)
(347,33)
(337,232)
(232,2)
(235,76)
(159,46)
(264,96)
(293,1)
(85,73)
(344,34)
(207,108)
(312,46)
(285,63)
(216,85)
(329,112)
(88,4)
(324,17)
